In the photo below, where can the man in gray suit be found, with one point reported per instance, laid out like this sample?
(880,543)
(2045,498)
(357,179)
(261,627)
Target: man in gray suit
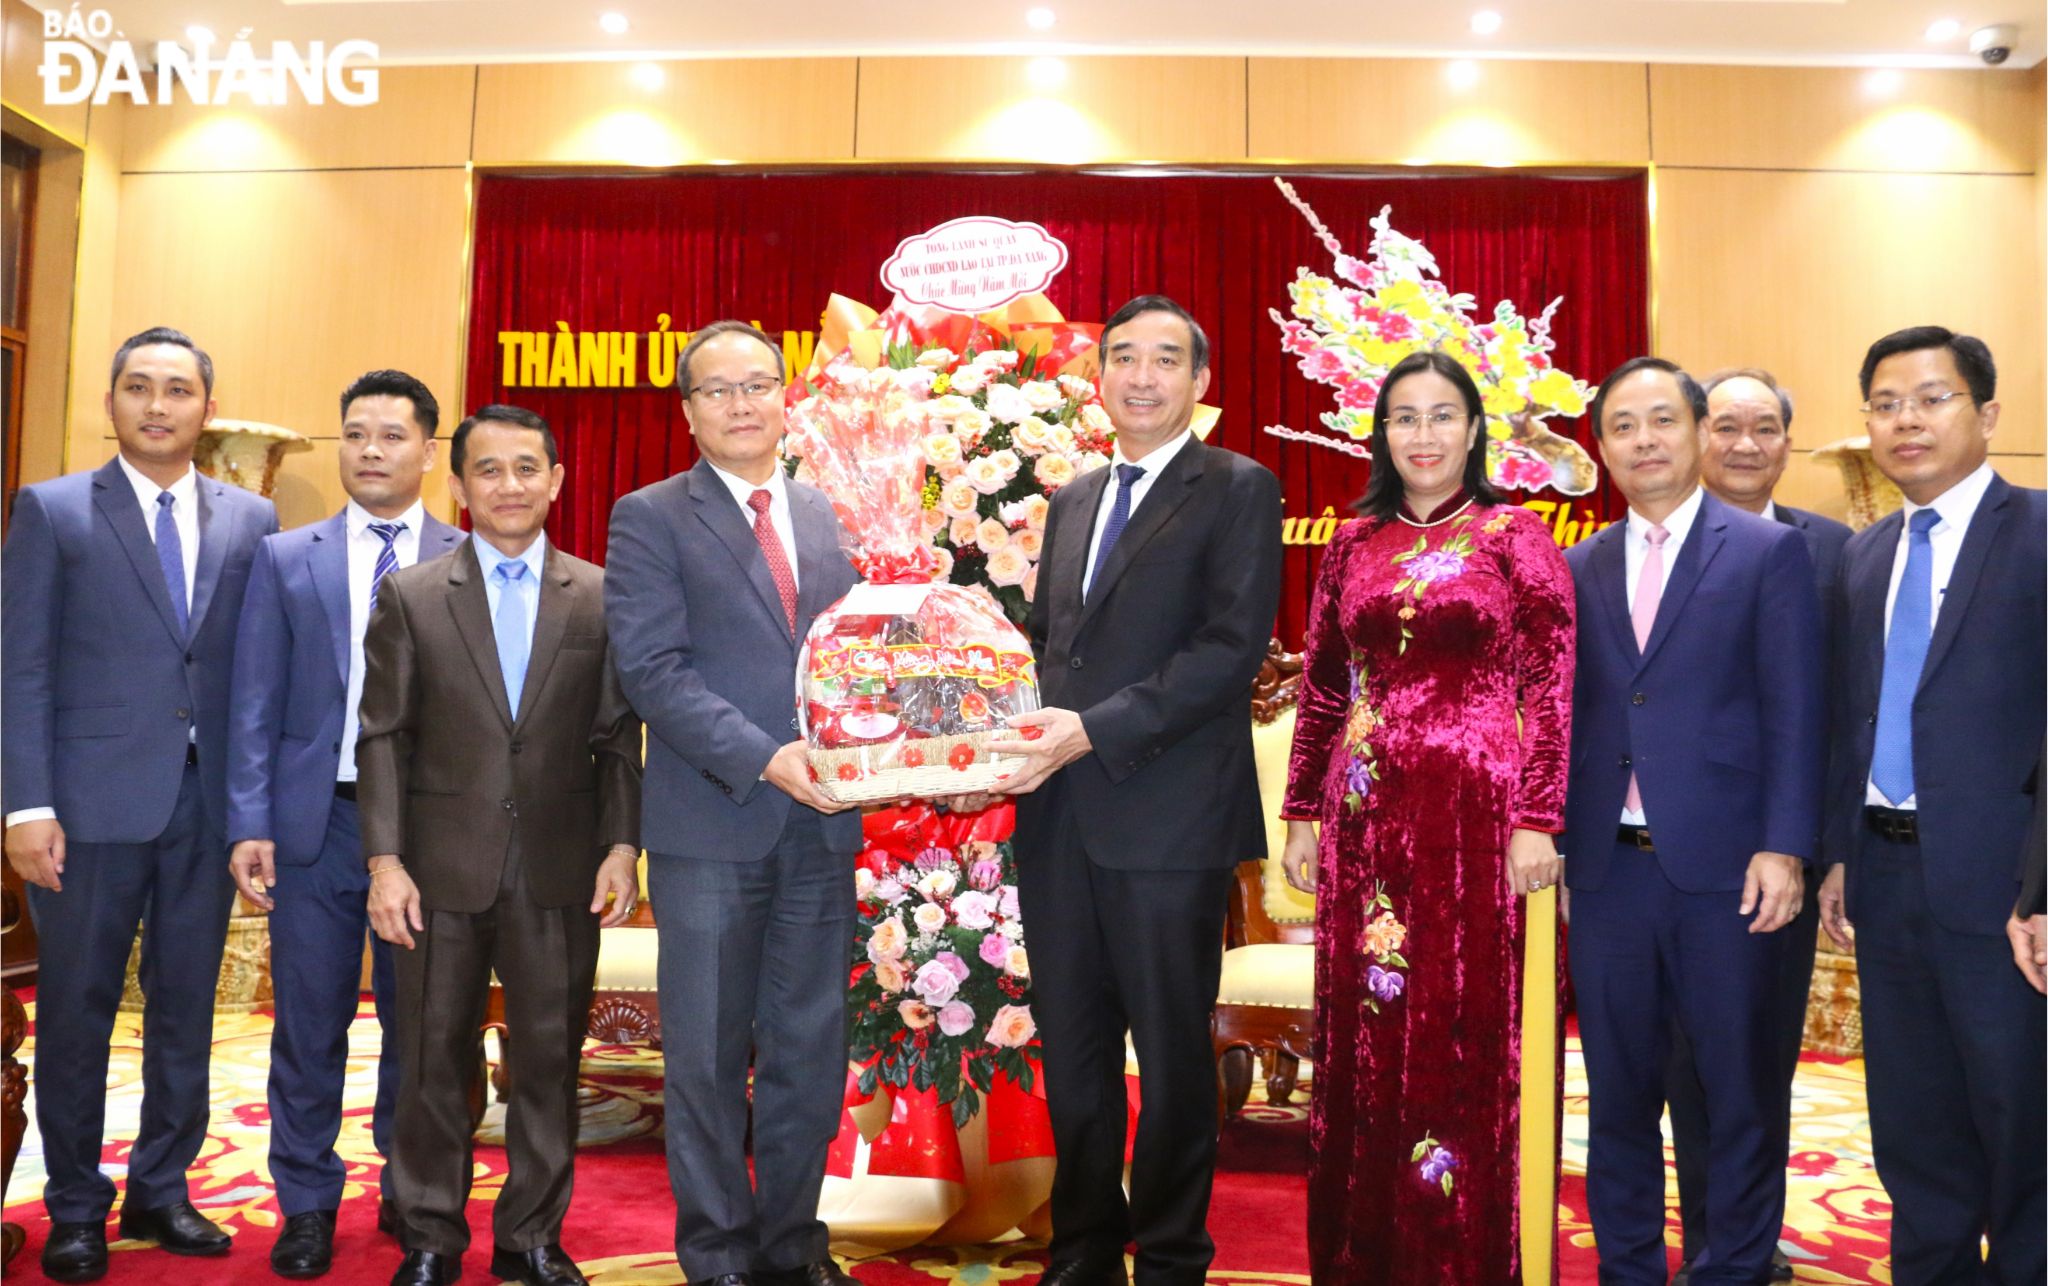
(713,577)
(121,591)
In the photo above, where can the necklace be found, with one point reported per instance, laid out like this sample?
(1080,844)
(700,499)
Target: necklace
(1438,522)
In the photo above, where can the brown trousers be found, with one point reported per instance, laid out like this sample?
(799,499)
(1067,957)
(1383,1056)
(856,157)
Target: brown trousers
(546,959)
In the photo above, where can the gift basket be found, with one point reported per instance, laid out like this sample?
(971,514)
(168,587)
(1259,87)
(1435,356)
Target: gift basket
(902,683)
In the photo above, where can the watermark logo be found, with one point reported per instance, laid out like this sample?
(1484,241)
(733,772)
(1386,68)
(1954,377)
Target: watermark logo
(76,70)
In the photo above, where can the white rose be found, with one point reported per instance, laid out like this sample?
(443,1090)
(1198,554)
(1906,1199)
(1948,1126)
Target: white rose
(945,568)
(938,884)
(1030,543)
(959,499)
(1030,585)
(973,426)
(1009,462)
(934,520)
(863,883)
(937,359)
(929,917)
(950,407)
(1044,395)
(963,532)
(1007,566)
(1053,471)
(1032,435)
(1076,387)
(969,380)
(1090,462)
(986,476)
(1034,511)
(1063,439)
(1007,403)
(1095,419)
(991,534)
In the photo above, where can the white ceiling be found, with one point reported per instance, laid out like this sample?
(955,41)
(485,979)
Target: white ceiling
(1805,32)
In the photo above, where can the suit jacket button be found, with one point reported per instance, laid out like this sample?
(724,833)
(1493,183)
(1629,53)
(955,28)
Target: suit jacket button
(1624,761)
(1075,663)
(181,714)
(515,747)
(792,723)
(1637,699)
(190,659)
(1872,721)
(337,747)
(506,804)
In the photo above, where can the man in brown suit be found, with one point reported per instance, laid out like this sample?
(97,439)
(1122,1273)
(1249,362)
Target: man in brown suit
(499,789)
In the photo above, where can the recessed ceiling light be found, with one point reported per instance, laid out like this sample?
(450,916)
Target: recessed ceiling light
(1883,83)
(648,75)
(1463,73)
(1945,30)
(1485,22)
(1046,73)
(613,23)
(1039,19)
(198,35)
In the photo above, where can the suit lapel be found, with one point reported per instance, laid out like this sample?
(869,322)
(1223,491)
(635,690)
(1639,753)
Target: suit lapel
(471,608)
(1063,579)
(817,546)
(1163,499)
(717,510)
(557,600)
(1610,585)
(115,497)
(1969,569)
(1709,533)
(214,525)
(327,564)
(1869,580)
(437,538)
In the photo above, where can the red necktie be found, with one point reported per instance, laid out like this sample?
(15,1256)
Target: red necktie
(771,549)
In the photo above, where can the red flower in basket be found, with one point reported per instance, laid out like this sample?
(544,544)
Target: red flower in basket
(847,772)
(961,757)
(913,757)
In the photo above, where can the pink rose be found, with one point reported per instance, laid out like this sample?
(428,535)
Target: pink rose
(936,983)
(953,962)
(1012,1027)
(955,1019)
(1006,902)
(986,873)
(995,950)
(974,910)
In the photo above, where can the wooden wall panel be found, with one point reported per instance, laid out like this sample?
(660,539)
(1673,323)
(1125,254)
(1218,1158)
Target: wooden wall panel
(1826,118)
(1402,110)
(309,482)
(52,271)
(21,52)
(1096,109)
(92,317)
(757,110)
(297,283)
(1799,272)
(421,117)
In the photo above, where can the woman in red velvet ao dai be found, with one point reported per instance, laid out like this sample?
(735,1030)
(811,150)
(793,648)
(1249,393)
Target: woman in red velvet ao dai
(1432,748)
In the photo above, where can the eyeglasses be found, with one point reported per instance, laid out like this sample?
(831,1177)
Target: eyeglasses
(1889,408)
(752,390)
(1439,420)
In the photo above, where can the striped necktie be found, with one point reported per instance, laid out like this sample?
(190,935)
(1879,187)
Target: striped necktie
(387,557)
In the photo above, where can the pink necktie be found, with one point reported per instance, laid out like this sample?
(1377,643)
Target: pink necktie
(1649,588)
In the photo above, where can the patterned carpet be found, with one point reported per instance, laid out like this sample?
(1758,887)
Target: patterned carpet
(620,1224)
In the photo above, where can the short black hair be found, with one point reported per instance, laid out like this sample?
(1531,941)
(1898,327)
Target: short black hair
(161,335)
(713,331)
(425,410)
(1198,354)
(1383,490)
(499,413)
(1761,376)
(1688,387)
(1972,356)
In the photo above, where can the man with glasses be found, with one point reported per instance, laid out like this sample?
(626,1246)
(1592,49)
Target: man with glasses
(1937,733)
(713,577)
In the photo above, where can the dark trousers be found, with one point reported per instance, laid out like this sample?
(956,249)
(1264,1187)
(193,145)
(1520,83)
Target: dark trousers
(754,959)
(1953,1057)
(1687,1098)
(1115,951)
(177,887)
(1644,954)
(316,951)
(546,959)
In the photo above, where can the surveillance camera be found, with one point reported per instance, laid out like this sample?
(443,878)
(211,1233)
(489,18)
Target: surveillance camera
(1994,43)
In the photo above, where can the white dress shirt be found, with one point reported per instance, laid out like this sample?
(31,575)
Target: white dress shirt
(364,546)
(185,513)
(1956,506)
(779,518)
(1153,464)
(1770,513)
(1636,548)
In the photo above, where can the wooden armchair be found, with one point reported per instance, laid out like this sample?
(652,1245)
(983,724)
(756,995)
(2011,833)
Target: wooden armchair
(1265,1005)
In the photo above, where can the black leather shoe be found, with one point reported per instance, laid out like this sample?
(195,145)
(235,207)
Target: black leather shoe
(822,1273)
(1781,1267)
(425,1268)
(541,1266)
(305,1246)
(76,1252)
(178,1228)
(387,1216)
(730,1279)
(1086,1272)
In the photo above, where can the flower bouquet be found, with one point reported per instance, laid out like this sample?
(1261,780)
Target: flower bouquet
(941,991)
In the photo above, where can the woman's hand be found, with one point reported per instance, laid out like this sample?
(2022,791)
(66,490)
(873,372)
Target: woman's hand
(1533,863)
(1298,861)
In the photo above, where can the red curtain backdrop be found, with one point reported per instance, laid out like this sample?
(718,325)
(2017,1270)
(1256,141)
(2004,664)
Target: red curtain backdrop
(613,253)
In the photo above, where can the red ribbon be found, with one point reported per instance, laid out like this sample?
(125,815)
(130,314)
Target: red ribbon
(893,567)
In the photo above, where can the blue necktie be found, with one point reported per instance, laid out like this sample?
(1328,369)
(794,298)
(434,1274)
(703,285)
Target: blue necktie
(510,627)
(170,556)
(387,557)
(1127,476)
(1905,655)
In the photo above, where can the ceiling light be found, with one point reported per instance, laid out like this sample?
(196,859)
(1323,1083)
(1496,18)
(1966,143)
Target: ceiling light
(198,35)
(1040,19)
(1462,73)
(648,76)
(1883,83)
(1945,30)
(614,24)
(1485,22)
(1046,73)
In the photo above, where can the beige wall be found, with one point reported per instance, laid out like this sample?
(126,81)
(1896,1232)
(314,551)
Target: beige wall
(1796,217)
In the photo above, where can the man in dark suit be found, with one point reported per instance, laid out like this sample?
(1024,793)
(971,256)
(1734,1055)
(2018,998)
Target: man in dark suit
(499,788)
(1694,805)
(1937,735)
(713,578)
(1158,584)
(1749,443)
(292,792)
(121,591)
